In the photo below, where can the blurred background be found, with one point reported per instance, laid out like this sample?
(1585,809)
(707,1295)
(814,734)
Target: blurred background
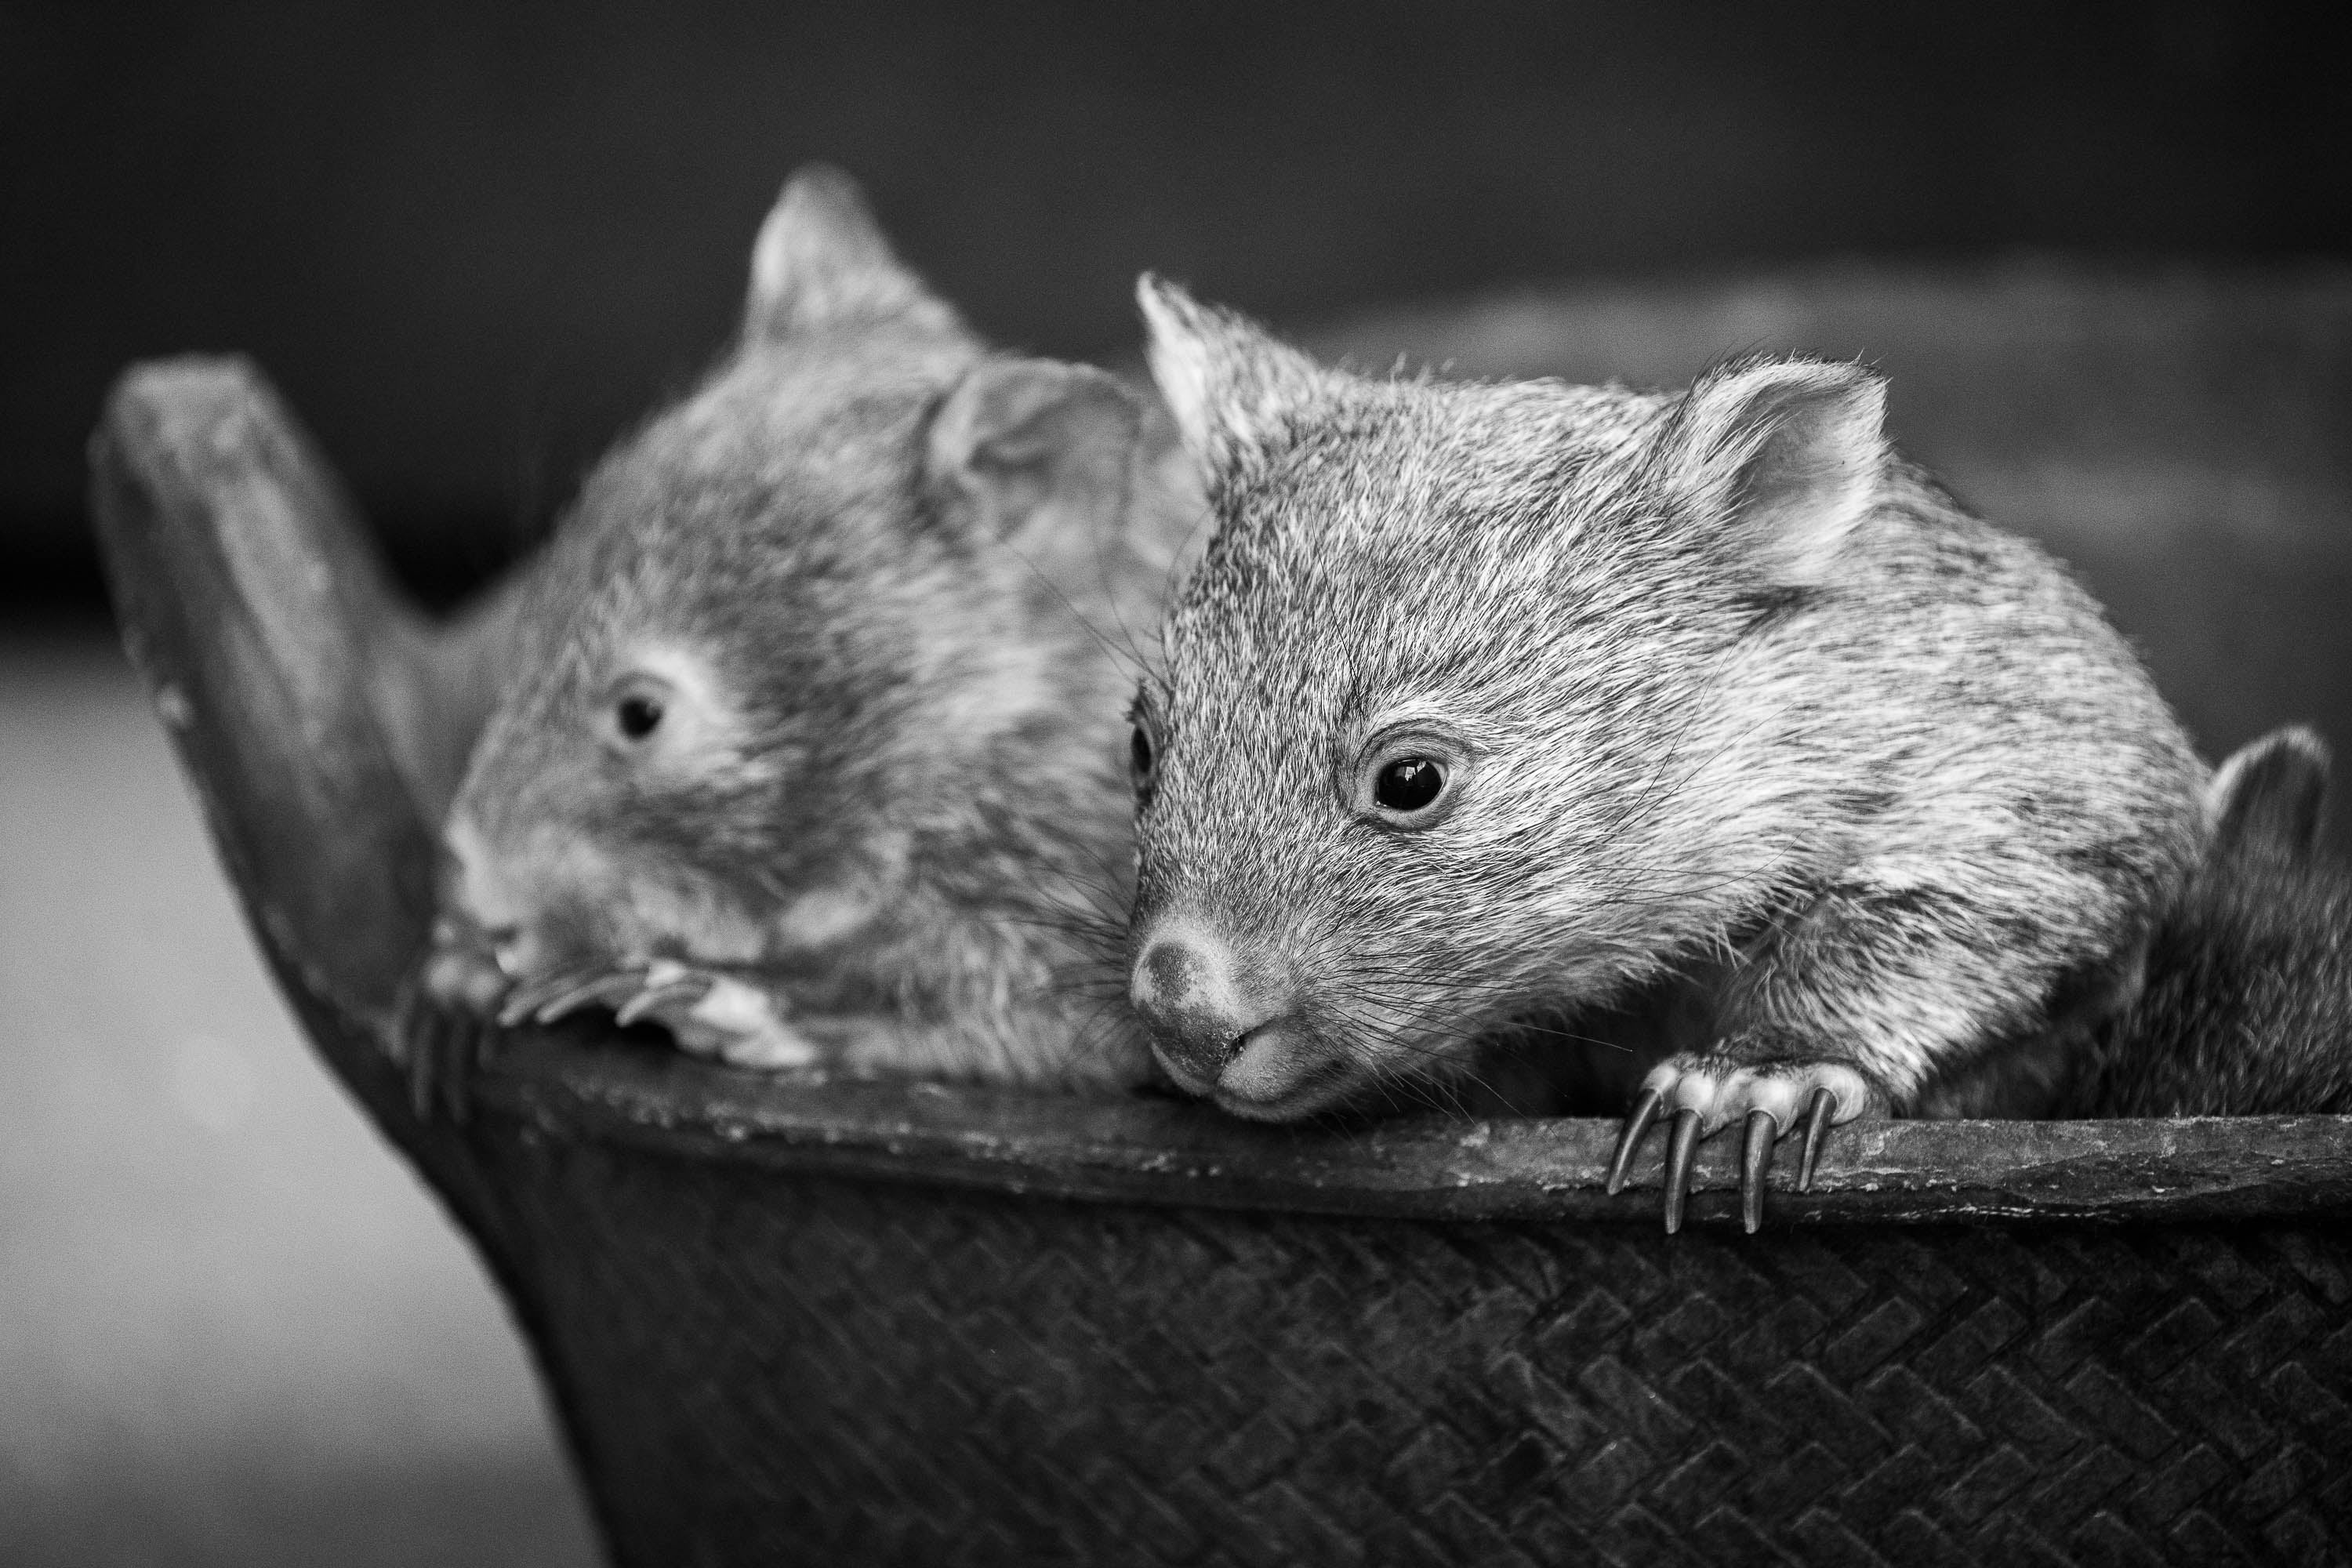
(2105,250)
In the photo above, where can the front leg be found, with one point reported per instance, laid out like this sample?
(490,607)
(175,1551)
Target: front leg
(1854,1006)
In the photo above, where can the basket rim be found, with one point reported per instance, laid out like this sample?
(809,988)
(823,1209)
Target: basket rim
(591,1085)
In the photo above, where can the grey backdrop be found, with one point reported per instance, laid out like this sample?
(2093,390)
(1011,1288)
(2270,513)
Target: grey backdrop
(472,242)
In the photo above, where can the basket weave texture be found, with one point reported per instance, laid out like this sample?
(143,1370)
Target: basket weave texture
(814,1368)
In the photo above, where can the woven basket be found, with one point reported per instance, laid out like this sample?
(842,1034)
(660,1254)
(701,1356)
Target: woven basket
(858,1322)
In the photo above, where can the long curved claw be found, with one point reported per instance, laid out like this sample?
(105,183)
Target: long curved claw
(1754,1154)
(1817,1126)
(608,989)
(649,1002)
(417,1024)
(439,1048)
(1679,1156)
(529,997)
(459,1037)
(1637,1122)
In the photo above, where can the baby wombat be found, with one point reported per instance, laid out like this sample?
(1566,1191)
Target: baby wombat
(811,750)
(1498,701)
(2247,1007)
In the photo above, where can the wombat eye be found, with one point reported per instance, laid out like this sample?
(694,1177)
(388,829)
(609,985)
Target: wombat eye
(1409,785)
(1142,757)
(635,709)
(637,716)
(1410,779)
(665,711)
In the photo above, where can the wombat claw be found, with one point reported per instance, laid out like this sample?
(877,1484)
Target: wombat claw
(558,996)
(717,1016)
(1763,1130)
(605,991)
(660,993)
(666,997)
(439,1046)
(707,1014)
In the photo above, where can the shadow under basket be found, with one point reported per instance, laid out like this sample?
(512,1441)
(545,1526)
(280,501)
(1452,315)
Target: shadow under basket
(848,1322)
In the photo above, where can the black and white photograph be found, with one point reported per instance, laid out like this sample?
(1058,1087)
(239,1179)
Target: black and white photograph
(1360,785)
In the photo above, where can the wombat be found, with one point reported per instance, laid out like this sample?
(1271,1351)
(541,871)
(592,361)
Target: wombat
(812,747)
(2247,1007)
(1492,701)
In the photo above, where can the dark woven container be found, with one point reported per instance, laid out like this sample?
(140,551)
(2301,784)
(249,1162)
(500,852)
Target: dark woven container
(852,1323)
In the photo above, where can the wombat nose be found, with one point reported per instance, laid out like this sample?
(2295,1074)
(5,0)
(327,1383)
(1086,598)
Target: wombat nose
(1198,1013)
(479,899)
(472,885)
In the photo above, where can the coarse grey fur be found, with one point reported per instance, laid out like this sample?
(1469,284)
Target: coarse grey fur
(874,578)
(1743,714)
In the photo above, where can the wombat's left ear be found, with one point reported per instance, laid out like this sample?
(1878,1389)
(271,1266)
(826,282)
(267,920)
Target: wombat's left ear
(1227,380)
(1788,452)
(820,261)
(1036,452)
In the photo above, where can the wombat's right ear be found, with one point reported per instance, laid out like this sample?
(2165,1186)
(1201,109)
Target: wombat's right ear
(1787,453)
(2267,795)
(820,261)
(1227,380)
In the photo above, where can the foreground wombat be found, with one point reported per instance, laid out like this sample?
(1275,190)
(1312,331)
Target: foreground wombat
(1498,701)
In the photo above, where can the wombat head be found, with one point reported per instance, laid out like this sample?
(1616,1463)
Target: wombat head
(804,636)
(1436,743)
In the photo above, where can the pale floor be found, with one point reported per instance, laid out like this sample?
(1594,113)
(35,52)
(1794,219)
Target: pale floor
(234,1328)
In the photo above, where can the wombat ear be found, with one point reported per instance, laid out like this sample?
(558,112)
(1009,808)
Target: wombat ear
(1226,379)
(820,261)
(1021,447)
(1789,451)
(2267,795)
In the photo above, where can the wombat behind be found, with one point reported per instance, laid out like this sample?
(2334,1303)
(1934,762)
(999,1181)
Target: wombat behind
(2247,1007)
(1498,701)
(811,750)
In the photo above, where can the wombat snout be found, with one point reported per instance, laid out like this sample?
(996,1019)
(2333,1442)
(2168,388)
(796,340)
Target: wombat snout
(475,892)
(527,920)
(1222,1019)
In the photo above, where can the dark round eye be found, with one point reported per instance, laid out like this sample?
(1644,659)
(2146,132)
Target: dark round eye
(637,715)
(1142,757)
(1409,785)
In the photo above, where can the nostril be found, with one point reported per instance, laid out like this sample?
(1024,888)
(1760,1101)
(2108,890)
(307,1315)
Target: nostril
(1241,1042)
(1232,1046)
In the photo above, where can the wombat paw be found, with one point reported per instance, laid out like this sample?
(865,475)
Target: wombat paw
(707,1014)
(716,1015)
(457,974)
(1709,1092)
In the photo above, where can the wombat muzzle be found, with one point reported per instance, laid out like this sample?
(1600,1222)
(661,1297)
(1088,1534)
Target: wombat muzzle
(1207,1004)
